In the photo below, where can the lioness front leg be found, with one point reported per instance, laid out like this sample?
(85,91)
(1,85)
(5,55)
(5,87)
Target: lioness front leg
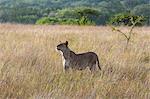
(66,67)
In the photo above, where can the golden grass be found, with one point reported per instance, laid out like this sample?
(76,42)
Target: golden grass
(32,69)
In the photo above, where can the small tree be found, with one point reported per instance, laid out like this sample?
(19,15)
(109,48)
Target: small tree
(127,20)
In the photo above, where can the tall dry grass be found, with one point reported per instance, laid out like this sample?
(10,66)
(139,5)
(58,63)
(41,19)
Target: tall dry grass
(30,68)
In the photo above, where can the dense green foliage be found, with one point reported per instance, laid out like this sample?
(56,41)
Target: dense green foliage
(92,12)
(69,21)
(127,19)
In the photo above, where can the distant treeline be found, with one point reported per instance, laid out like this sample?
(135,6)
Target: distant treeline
(78,12)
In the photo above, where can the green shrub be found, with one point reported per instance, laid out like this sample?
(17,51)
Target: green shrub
(46,20)
(85,21)
(65,21)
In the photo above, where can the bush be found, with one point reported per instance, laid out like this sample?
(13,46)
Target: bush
(65,21)
(26,19)
(85,21)
(46,20)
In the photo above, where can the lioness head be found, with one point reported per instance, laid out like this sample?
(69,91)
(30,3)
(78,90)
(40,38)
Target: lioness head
(62,46)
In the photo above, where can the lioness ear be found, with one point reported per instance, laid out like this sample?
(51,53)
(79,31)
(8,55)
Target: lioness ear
(67,43)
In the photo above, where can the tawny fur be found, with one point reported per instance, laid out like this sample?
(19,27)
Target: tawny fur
(78,61)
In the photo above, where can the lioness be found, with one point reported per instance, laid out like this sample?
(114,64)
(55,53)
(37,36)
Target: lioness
(78,61)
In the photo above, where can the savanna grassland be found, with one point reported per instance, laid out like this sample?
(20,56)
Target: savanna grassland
(31,68)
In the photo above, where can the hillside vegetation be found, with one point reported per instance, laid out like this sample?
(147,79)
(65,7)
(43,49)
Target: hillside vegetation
(79,12)
(31,68)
